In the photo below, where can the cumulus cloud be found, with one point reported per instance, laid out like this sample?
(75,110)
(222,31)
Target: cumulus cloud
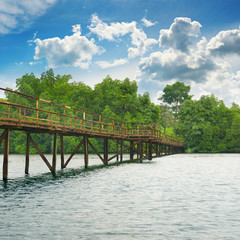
(225,43)
(115,30)
(179,35)
(206,65)
(110,31)
(114,63)
(17,15)
(176,65)
(74,50)
(148,23)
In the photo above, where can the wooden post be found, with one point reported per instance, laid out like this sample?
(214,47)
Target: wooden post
(141,151)
(27,154)
(6,155)
(117,151)
(105,151)
(85,151)
(54,159)
(62,151)
(121,155)
(131,150)
(149,150)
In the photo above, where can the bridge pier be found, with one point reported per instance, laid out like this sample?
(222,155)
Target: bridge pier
(5,137)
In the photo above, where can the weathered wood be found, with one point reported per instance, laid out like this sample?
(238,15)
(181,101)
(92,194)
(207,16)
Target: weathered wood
(131,150)
(40,153)
(62,151)
(117,157)
(27,154)
(74,152)
(141,150)
(54,159)
(86,151)
(6,154)
(105,151)
(122,151)
(3,135)
(95,150)
(150,147)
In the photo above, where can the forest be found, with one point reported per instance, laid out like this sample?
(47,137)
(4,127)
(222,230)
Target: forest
(206,125)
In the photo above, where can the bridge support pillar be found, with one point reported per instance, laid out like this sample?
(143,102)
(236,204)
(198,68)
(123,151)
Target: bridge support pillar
(5,135)
(62,151)
(141,151)
(131,150)
(105,151)
(54,158)
(27,154)
(150,150)
(86,151)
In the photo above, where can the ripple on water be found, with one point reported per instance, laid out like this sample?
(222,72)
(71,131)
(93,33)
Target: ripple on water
(175,197)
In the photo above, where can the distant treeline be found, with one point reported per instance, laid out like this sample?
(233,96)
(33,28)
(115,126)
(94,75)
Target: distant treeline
(205,125)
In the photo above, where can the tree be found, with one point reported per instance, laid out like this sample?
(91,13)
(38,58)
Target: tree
(175,95)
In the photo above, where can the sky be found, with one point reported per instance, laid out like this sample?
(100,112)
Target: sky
(155,42)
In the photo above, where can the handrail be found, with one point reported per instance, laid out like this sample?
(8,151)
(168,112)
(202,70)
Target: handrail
(87,121)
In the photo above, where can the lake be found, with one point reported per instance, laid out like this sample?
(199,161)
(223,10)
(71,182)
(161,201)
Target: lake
(184,196)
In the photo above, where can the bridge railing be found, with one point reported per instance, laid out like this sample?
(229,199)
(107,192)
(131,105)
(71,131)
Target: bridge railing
(25,109)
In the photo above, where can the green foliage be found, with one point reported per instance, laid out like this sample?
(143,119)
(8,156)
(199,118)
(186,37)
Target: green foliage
(176,94)
(112,98)
(207,125)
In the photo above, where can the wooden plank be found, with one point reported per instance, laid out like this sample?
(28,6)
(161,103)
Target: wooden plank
(27,154)
(74,152)
(40,153)
(6,155)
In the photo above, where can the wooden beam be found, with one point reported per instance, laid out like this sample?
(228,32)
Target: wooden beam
(40,153)
(27,154)
(6,154)
(123,150)
(121,154)
(54,158)
(3,136)
(95,150)
(85,151)
(74,152)
(131,150)
(105,151)
(62,151)
(150,150)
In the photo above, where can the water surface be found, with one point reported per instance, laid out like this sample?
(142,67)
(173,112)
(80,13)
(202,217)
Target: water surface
(181,196)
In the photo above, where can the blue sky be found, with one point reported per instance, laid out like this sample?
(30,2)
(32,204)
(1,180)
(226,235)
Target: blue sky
(155,42)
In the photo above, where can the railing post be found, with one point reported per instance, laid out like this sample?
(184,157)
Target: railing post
(37,108)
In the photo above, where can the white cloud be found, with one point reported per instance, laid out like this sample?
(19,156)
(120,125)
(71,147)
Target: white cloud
(148,23)
(208,66)
(225,43)
(179,35)
(115,30)
(17,15)
(74,50)
(111,31)
(114,63)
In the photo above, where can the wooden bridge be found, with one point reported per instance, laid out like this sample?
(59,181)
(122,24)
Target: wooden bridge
(34,115)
